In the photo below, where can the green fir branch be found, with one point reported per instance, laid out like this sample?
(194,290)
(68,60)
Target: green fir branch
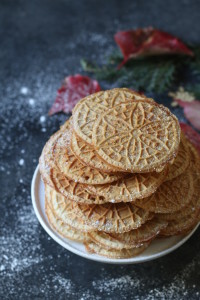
(194,89)
(194,62)
(155,74)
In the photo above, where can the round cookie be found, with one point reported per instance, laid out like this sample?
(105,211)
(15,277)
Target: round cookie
(137,137)
(73,168)
(110,217)
(64,210)
(146,232)
(64,229)
(54,178)
(181,162)
(131,239)
(88,155)
(171,196)
(181,225)
(134,187)
(74,191)
(112,253)
(46,159)
(193,206)
(89,108)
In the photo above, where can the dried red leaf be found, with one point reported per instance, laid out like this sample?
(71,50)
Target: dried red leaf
(191,112)
(72,90)
(148,41)
(192,135)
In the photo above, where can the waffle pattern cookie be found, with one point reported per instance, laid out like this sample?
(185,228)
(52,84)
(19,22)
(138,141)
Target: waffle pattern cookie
(120,174)
(88,109)
(129,189)
(64,229)
(73,168)
(137,136)
(110,217)
(181,161)
(88,155)
(171,196)
(113,253)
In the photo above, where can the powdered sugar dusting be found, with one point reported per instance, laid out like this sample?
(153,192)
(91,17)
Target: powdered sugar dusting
(21,162)
(175,288)
(113,284)
(24,90)
(12,245)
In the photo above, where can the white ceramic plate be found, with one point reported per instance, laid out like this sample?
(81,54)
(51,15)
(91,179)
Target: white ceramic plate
(158,248)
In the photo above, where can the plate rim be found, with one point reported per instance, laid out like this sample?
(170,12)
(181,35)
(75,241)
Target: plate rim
(56,237)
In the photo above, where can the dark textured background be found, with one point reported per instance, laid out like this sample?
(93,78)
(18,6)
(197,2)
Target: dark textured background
(40,43)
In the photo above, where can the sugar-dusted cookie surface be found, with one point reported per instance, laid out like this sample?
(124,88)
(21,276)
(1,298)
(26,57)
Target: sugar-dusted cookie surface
(137,136)
(89,108)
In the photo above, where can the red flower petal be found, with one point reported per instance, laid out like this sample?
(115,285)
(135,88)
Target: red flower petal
(148,41)
(73,89)
(191,112)
(192,135)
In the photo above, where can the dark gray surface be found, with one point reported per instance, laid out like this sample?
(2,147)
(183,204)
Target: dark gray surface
(41,42)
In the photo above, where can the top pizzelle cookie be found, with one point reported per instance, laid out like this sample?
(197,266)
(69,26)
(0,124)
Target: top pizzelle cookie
(89,108)
(137,136)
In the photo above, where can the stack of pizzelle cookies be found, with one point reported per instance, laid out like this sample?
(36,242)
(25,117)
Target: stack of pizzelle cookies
(119,174)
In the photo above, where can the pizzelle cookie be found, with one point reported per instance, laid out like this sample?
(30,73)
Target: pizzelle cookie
(131,239)
(54,178)
(194,204)
(64,210)
(112,253)
(64,229)
(180,214)
(46,159)
(89,108)
(194,155)
(171,196)
(137,137)
(72,168)
(106,241)
(74,191)
(88,155)
(181,225)
(110,217)
(181,161)
(132,188)
(146,232)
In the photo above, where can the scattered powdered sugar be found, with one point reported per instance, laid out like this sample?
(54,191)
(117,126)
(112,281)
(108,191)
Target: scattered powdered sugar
(42,119)
(31,101)
(21,162)
(64,283)
(13,244)
(24,90)
(177,288)
(112,201)
(120,283)
(135,284)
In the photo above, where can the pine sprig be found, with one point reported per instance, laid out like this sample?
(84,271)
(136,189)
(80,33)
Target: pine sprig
(154,74)
(194,63)
(104,73)
(195,89)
